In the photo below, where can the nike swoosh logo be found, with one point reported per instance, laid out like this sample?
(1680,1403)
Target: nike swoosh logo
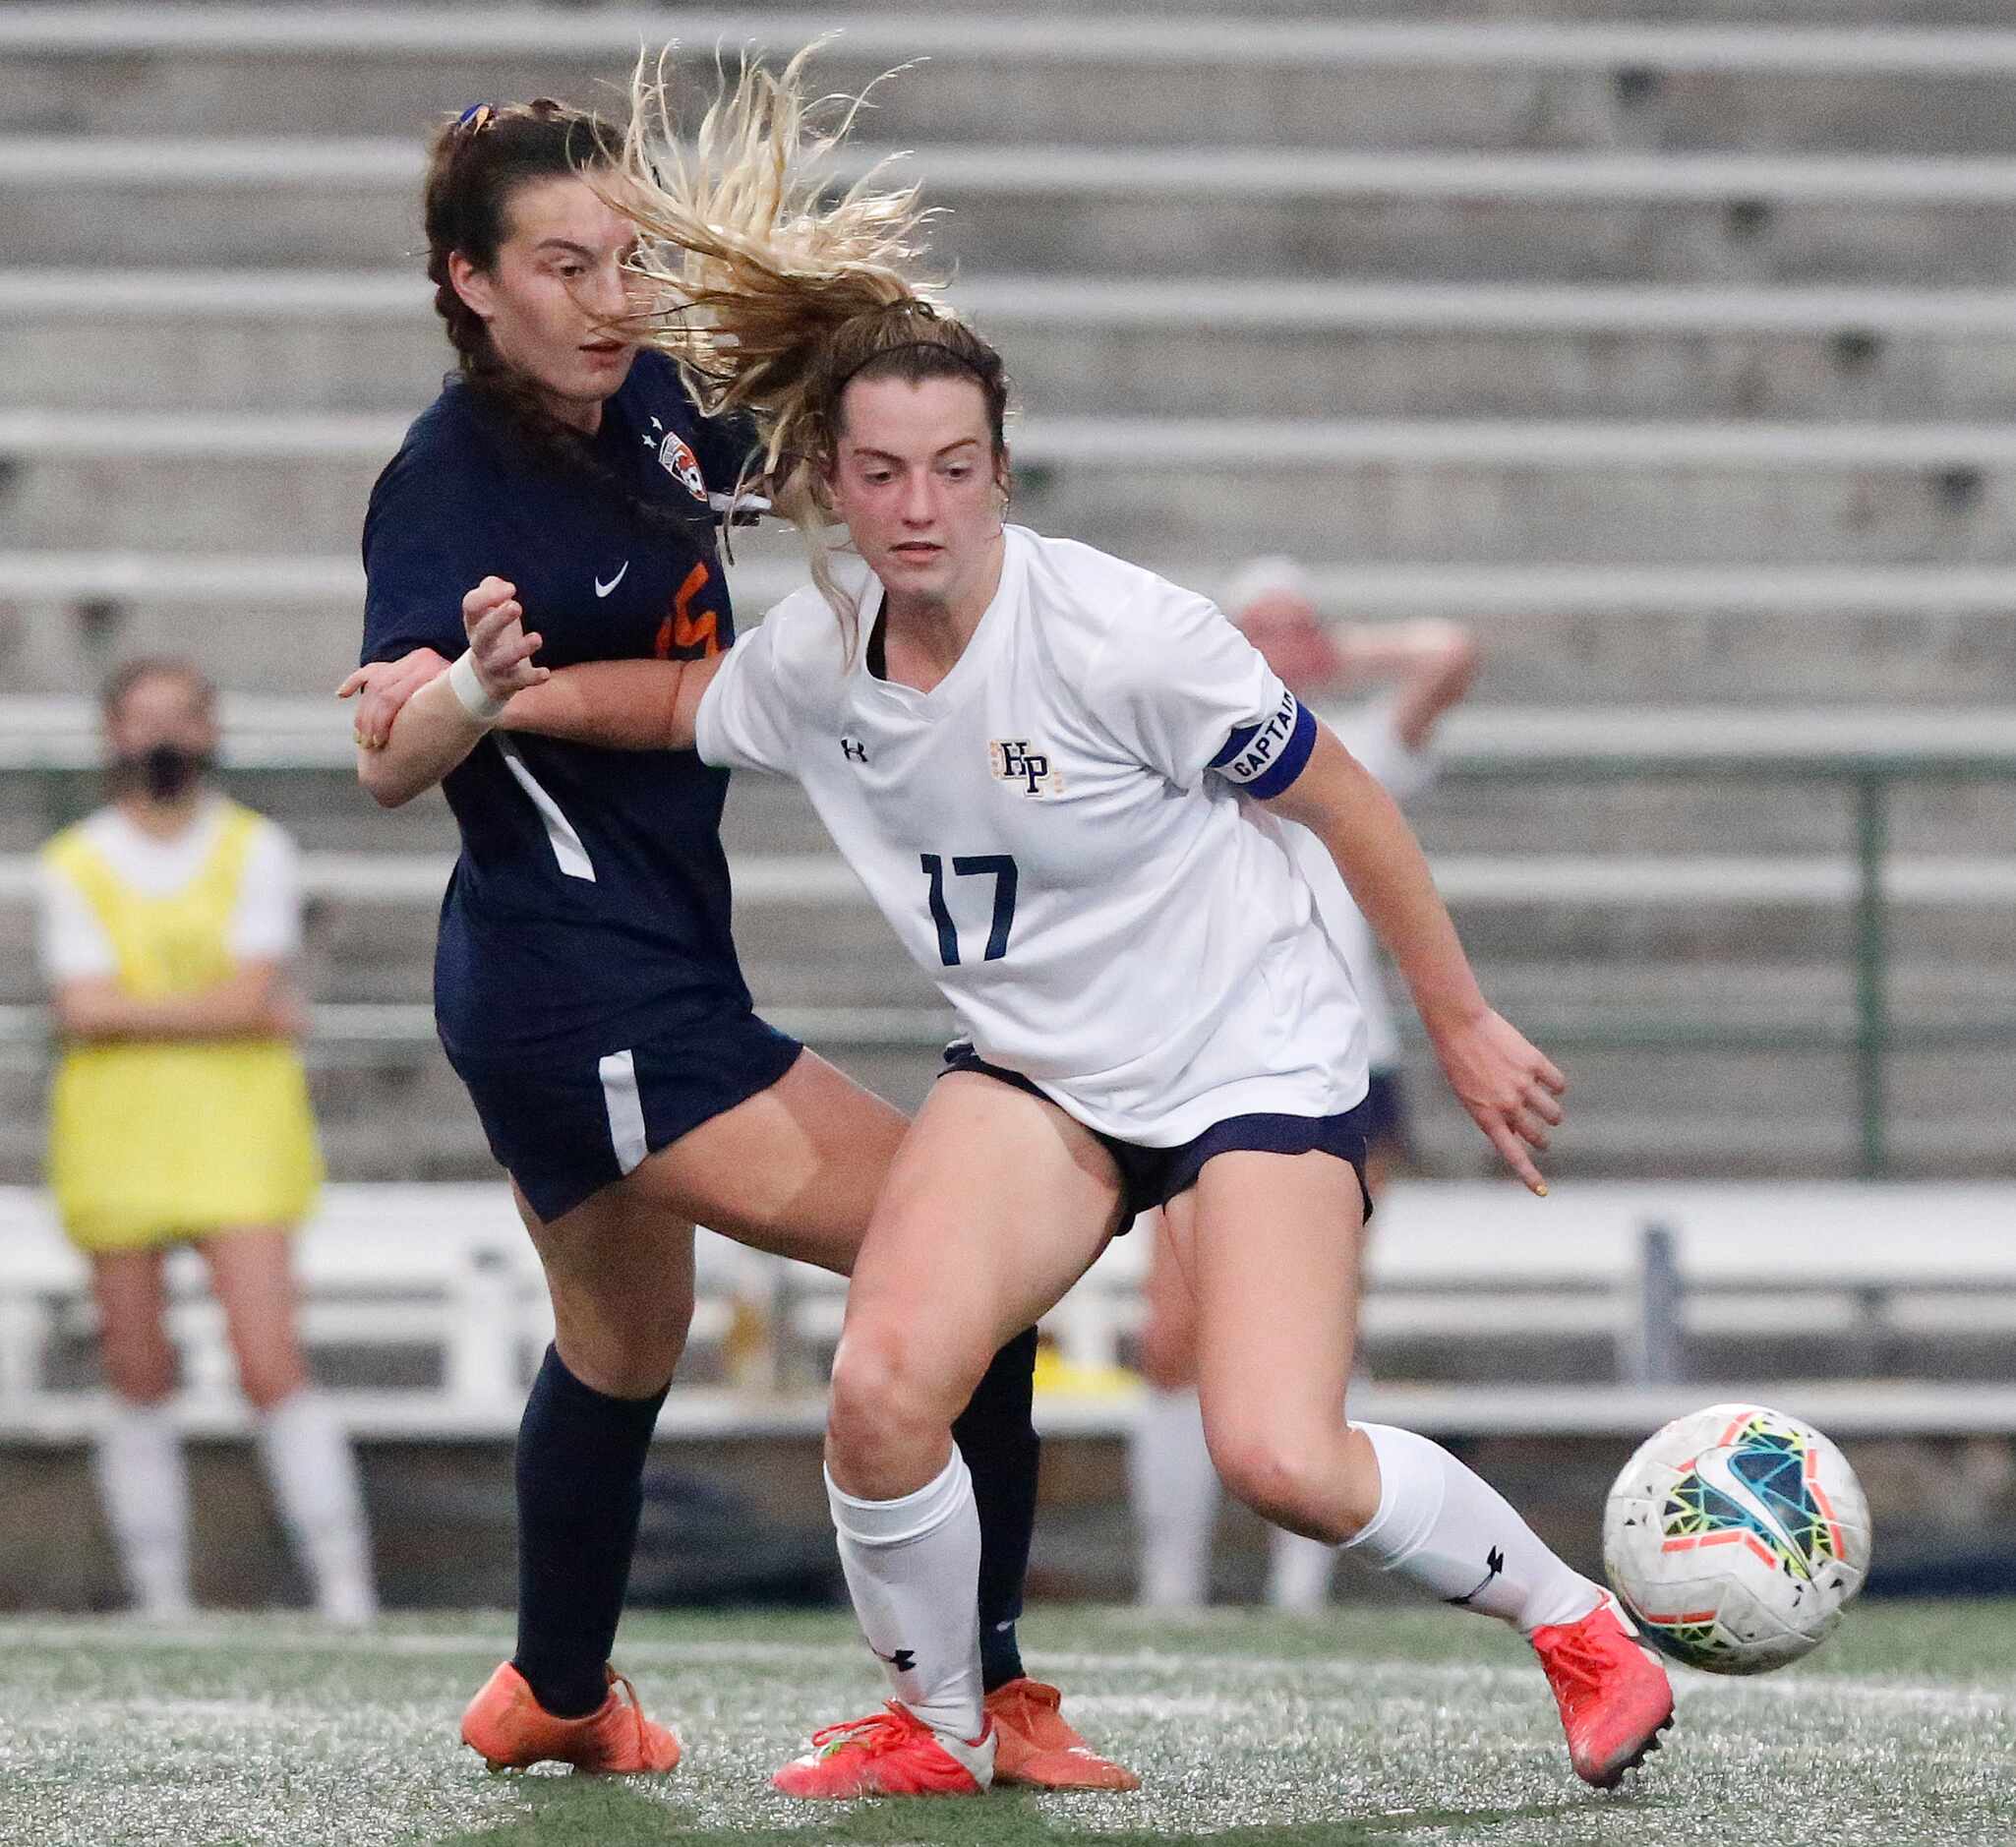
(603,589)
(1712,1466)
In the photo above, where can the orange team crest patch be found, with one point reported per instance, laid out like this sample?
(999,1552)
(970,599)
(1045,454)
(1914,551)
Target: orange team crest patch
(676,457)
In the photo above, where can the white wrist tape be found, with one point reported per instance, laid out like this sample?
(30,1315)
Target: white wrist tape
(470,693)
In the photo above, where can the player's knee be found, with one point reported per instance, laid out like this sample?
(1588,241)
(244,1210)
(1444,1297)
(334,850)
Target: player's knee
(1284,1477)
(870,1371)
(885,1394)
(627,1356)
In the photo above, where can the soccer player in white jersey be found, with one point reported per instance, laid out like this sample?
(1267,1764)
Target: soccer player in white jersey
(1062,781)
(1422,670)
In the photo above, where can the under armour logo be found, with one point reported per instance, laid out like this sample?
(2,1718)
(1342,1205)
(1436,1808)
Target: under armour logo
(1493,1561)
(902,1660)
(854,750)
(1014,761)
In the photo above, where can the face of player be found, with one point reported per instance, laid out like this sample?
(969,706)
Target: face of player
(914,479)
(557,282)
(163,737)
(1288,631)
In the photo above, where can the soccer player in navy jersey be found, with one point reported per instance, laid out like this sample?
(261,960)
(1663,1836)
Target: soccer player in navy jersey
(587,988)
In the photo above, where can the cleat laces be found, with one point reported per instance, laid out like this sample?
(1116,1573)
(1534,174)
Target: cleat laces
(876,1735)
(1579,1669)
(637,1713)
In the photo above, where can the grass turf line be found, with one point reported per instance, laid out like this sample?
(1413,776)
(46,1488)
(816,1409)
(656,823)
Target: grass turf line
(1366,1726)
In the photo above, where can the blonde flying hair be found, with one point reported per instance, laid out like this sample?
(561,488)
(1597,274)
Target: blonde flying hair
(772,293)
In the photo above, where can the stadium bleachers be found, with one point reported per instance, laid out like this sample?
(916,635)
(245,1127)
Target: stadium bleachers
(1675,352)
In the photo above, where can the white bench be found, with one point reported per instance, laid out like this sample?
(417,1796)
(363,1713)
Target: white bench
(441,1267)
(446,1267)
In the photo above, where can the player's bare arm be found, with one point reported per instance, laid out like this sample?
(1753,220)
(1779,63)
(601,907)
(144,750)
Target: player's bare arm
(448,715)
(621,706)
(381,691)
(1511,1090)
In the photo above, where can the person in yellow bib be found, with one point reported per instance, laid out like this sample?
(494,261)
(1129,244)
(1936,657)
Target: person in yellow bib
(168,921)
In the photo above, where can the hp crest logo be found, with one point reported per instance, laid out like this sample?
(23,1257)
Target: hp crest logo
(1013,762)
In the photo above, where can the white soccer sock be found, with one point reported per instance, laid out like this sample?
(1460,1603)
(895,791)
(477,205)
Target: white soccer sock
(913,1569)
(1298,1570)
(1175,1493)
(313,1474)
(144,1485)
(1447,1530)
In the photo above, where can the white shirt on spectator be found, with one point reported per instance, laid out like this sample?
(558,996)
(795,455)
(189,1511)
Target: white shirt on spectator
(71,942)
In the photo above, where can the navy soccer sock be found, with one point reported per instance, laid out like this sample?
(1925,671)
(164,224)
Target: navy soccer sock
(581,1471)
(998,1440)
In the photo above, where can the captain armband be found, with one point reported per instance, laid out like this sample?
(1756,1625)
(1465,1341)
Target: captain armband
(1265,759)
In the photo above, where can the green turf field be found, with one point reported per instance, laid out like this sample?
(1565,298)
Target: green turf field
(1417,1728)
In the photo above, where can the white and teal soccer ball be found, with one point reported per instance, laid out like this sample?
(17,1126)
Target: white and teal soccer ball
(1736,1537)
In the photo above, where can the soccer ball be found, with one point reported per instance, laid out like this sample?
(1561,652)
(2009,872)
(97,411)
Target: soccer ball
(1736,1537)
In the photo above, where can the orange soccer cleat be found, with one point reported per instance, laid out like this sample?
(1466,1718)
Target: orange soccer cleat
(1039,1747)
(891,1752)
(511,1730)
(1614,1697)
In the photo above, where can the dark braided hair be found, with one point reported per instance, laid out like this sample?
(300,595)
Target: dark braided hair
(477,163)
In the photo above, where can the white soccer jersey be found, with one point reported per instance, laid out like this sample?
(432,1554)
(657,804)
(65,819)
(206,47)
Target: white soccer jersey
(1369,733)
(1055,833)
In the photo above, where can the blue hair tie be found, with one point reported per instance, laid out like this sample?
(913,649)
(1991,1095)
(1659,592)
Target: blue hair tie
(475,118)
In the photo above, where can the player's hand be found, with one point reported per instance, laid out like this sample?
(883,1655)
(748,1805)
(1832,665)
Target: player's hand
(500,649)
(1511,1087)
(386,687)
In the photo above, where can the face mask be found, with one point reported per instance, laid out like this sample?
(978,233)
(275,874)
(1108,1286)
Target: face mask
(166,771)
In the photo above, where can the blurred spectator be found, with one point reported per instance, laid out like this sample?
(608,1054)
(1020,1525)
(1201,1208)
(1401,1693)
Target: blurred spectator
(1425,666)
(180,1113)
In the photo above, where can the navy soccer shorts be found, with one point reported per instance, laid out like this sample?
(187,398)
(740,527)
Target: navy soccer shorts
(565,1128)
(1152,1177)
(1386,1124)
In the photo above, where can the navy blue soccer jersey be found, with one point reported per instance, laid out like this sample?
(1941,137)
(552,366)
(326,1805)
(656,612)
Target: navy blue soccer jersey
(590,905)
